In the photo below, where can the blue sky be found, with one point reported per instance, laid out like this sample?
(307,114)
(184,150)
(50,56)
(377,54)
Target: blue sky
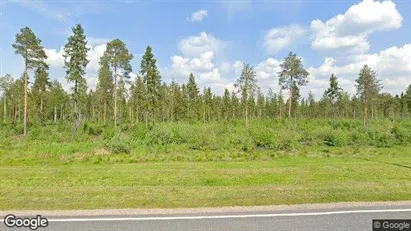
(330,36)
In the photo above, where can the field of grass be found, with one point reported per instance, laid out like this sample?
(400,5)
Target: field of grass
(183,165)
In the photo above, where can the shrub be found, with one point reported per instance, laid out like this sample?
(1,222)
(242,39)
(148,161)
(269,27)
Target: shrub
(204,138)
(139,131)
(263,137)
(401,134)
(337,138)
(119,144)
(94,130)
(160,135)
(109,132)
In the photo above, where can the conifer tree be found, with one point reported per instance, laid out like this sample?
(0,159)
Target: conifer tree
(105,87)
(29,47)
(292,76)
(192,92)
(247,85)
(75,63)
(368,87)
(152,80)
(40,87)
(5,85)
(118,57)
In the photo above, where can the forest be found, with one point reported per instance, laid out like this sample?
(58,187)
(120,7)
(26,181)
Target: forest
(156,110)
(156,144)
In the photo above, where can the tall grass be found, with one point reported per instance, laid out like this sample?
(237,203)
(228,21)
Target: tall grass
(227,136)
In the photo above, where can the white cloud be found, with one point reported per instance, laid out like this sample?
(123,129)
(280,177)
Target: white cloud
(193,46)
(94,55)
(392,66)
(198,15)
(369,16)
(238,66)
(347,33)
(203,67)
(267,74)
(279,38)
(54,57)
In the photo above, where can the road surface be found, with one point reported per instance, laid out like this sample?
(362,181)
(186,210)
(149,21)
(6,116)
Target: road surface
(305,217)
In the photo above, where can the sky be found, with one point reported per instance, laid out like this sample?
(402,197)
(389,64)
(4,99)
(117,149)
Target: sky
(213,38)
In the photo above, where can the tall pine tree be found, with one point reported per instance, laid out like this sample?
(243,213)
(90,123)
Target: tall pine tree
(29,47)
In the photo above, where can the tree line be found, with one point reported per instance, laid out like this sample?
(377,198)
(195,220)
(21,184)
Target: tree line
(149,99)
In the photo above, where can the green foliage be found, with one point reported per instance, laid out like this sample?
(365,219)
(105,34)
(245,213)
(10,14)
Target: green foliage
(109,132)
(336,138)
(402,134)
(119,144)
(160,135)
(264,137)
(166,140)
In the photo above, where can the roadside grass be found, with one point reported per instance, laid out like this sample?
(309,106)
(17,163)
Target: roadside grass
(199,165)
(285,180)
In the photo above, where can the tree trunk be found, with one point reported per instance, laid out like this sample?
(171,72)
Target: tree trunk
(246,114)
(115,96)
(105,112)
(25,101)
(41,111)
(365,112)
(290,102)
(55,115)
(279,115)
(146,119)
(4,108)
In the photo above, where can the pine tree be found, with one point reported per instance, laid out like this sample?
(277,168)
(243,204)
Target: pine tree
(5,85)
(75,63)
(333,92)
(226,104)
(407,96)
(138,96)
(118,58)
(368,87)
(208,104)
(105,88)
(193,95)
(260,104)
(39,90)
(29,47)
(311,105)
(234,104)
(57,99)
(292,76)
(152,80)
(247,85)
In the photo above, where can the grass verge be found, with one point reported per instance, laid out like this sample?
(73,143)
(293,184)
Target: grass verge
(372,176)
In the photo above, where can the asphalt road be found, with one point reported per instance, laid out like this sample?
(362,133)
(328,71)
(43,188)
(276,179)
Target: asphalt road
(316,219)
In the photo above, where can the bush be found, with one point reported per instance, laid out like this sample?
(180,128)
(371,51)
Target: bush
(139,132)
(160,135)
(93,129)
(337,138)
(204,138)
(109,132)
(263,137)
(119,144)
(402,135)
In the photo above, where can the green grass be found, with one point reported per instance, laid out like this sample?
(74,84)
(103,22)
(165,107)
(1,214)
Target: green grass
(285,180)
(196,165)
